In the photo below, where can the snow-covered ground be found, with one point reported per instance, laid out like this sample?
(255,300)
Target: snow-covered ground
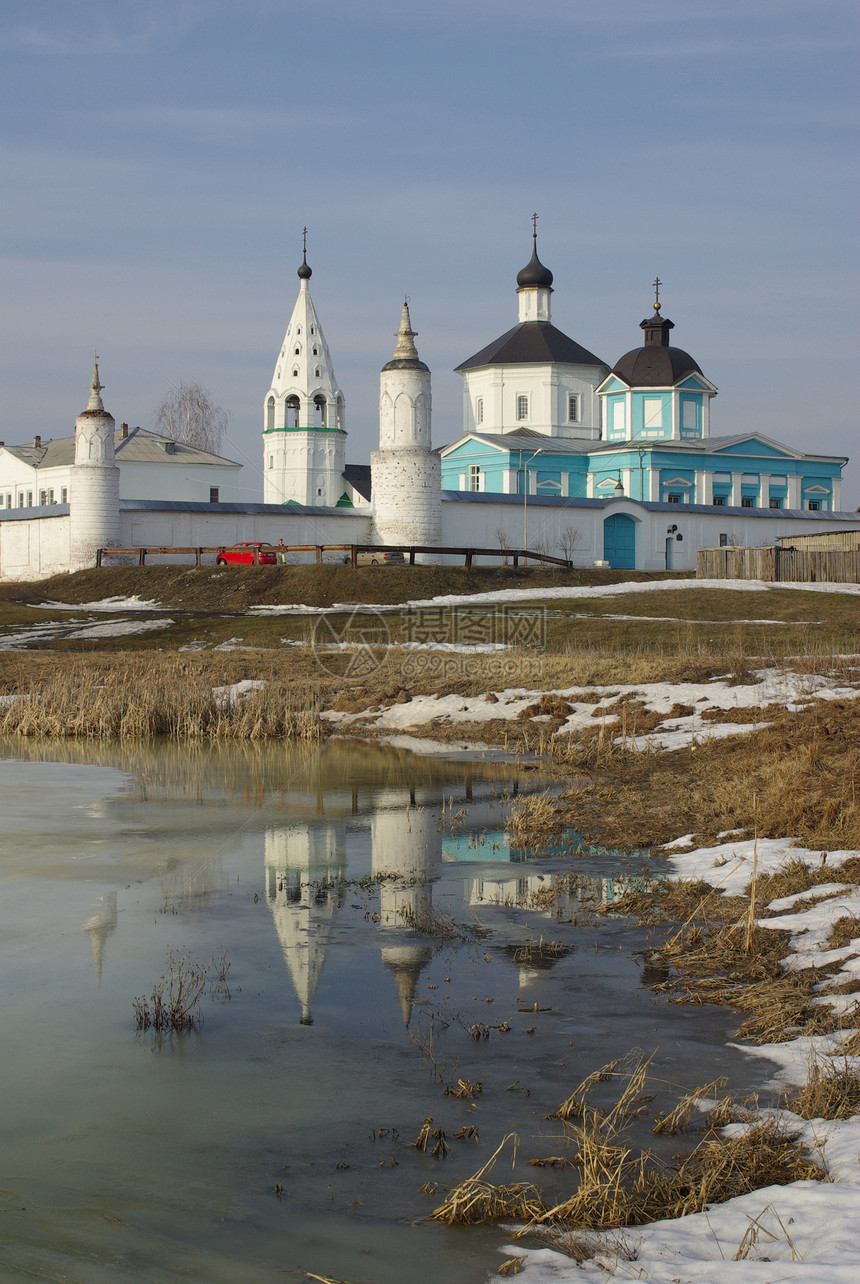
(772,686)
(501,597)
(808,1231)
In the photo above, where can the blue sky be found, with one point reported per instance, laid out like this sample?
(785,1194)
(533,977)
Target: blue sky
(160,161)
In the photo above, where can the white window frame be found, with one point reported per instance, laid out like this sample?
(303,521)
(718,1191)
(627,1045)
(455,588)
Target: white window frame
(479,410)
(573,407)
(653,407)
(476,478)
(522,407)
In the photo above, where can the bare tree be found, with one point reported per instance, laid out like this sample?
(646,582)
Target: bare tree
(569,540)
(188,415)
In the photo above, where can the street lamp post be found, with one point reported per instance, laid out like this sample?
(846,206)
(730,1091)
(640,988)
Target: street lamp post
(525,468)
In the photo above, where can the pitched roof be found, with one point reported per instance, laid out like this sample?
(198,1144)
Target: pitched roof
(358,476)
(532,343)
(140,447)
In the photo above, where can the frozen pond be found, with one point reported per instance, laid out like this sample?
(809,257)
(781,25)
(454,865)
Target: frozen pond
(275,1140)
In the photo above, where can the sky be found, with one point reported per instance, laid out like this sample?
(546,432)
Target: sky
(160,160)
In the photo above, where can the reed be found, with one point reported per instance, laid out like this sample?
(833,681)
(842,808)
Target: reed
(139,701)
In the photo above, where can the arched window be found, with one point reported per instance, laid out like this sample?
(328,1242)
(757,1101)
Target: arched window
(295,374)
(316,352)
(339,412)
(319,410)
(270,414)
(317,373)
(297,352)
(292,412)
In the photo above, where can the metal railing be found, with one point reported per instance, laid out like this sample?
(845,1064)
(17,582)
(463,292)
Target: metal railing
(352,551)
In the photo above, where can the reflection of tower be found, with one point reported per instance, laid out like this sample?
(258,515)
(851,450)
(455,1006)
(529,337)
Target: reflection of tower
(305,868)
(99,927)
(406,844)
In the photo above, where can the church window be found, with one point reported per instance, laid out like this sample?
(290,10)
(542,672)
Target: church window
(317,373)
(719,501)
(479,410)
(214,492)
(774,503)
(724,541)
(297,352)
(29,499)
(522,407)
(292,412)
(298,329)
(572,407)
(688,416)
(673,499)
(618,416)
(652,409)
(312,329)
(747,501)
(295,374)
(476,480)
(64,495)
(319,410)
(316,352)
(43,498)
(813,505)
(271,461)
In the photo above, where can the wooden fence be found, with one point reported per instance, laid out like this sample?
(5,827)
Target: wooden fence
(351,551)
(779,565)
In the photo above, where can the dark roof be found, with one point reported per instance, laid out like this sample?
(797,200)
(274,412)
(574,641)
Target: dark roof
(532,343)
(358,476)
(410,363)
(655,366)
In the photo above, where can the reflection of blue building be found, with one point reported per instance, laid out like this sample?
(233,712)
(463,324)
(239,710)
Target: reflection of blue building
(547,420)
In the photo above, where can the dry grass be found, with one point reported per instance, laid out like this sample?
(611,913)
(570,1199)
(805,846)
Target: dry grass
(831,1091)
(845,931)
(140,700)
(174,1004)
(618,1187)
(478,1200)
(535,820)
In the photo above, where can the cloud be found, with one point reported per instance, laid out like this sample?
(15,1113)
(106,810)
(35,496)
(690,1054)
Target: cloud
(89,33)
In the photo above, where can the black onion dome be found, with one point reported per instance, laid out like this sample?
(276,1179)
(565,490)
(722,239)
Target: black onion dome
(304,273)
(534,273)
(655,367)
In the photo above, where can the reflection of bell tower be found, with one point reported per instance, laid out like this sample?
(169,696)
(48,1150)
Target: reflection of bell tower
(300,863)
(406,843)
(99,927)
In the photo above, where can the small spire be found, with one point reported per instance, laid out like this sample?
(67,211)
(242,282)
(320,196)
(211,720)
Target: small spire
(304,272)
(95,401)
(405,349)
(657,283)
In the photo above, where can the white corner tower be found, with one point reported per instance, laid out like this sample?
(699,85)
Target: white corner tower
(94,481)
(304,430)
(406,474)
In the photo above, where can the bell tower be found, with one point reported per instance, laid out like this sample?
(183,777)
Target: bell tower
(304,419)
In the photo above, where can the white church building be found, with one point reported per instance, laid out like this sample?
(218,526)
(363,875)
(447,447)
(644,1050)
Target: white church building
(559,452)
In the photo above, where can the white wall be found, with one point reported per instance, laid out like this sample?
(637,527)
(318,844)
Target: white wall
(36,548)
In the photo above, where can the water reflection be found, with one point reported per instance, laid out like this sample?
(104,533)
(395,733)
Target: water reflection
(323,873)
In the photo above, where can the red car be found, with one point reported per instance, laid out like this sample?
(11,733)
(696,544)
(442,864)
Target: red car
(246,555)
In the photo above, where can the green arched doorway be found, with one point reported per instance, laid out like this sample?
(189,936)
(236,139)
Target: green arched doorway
(619,542)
